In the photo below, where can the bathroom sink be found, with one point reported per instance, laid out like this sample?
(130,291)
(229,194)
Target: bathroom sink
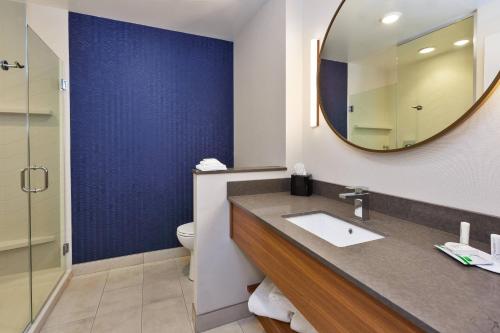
(334,230)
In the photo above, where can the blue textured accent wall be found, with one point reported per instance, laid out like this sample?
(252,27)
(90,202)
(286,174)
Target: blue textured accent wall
(333,90)
(146,105)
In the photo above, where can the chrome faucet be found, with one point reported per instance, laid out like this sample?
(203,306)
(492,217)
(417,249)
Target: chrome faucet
(361,201)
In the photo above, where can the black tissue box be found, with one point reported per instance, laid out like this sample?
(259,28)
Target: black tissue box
(301,185)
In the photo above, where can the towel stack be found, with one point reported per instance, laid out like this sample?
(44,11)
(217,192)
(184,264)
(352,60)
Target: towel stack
(211,164)
(269,301)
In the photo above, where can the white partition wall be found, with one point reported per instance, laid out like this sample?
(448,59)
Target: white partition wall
(222,270)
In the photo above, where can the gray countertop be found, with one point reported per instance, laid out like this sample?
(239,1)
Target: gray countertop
(240,170)
(403,270)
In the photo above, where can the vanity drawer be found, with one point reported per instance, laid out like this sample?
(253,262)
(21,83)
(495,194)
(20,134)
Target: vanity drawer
(329,301)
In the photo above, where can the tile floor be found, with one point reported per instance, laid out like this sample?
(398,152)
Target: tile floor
(149,298)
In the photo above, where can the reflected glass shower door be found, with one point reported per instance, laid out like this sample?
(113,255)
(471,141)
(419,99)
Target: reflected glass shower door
(45,119)
(15,299)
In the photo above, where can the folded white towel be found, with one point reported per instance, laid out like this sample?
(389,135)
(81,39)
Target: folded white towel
(211,164)
(211,161)
(260,304)
(277,297)
(202,167)
(300,324)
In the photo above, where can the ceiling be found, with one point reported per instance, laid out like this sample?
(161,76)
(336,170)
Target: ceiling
(442,40)
(357,31)
(221,19)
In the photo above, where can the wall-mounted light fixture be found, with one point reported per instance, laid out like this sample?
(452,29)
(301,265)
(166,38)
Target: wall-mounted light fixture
(314,111)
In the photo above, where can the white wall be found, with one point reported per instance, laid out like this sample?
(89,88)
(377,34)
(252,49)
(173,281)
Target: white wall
(259,88)
(294,46)
(375,71)
(51,24)
(458,170)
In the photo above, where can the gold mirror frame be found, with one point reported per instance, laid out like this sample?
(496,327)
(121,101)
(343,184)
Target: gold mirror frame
(475,107)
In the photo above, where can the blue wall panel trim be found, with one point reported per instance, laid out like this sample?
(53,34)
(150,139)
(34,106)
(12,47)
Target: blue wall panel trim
(146,105)
(333,90)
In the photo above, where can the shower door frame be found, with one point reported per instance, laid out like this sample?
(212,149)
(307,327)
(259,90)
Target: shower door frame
(30,33)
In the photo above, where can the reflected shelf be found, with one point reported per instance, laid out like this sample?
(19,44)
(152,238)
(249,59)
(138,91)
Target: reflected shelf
(374,127)
(35,112)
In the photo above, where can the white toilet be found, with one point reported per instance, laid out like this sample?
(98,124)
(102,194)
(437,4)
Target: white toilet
(185,234)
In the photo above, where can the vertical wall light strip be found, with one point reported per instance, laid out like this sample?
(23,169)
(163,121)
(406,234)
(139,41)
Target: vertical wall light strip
(314,111)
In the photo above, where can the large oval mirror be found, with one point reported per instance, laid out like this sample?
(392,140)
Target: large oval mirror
(397,73)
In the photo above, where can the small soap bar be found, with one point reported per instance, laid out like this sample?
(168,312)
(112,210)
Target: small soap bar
(460,249)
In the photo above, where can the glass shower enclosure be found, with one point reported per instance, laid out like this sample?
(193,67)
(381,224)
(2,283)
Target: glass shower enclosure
(31,170)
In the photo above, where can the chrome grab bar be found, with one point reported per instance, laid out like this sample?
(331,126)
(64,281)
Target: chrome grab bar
(34,189)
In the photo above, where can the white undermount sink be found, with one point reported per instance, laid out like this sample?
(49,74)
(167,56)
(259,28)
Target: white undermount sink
(334,230)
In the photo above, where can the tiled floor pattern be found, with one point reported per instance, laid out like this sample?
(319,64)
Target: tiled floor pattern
(148,298)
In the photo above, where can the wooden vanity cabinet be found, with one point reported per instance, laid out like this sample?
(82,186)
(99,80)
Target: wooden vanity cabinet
(330,302)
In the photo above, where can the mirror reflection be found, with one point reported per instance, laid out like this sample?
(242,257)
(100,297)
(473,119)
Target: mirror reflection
(396,73)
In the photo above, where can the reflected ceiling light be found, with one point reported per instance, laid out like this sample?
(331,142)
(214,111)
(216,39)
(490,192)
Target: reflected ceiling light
(427,50)
(461,42)
(391,18)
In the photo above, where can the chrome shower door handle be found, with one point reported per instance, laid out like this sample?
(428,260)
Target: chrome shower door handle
(45,178)
(23,180)
(34,189)
(4,64)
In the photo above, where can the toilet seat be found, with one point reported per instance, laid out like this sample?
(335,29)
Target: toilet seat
(186,230)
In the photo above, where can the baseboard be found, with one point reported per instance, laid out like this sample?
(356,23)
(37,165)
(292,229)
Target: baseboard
(207,321)
(131,260)
(45,312)
(163,255)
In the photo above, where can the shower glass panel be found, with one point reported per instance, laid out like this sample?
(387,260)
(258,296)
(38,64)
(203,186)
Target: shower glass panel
(47,232)
(31,170)
(15,308)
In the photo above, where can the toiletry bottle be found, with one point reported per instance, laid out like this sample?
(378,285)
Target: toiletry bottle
(495,247)
(464,233)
